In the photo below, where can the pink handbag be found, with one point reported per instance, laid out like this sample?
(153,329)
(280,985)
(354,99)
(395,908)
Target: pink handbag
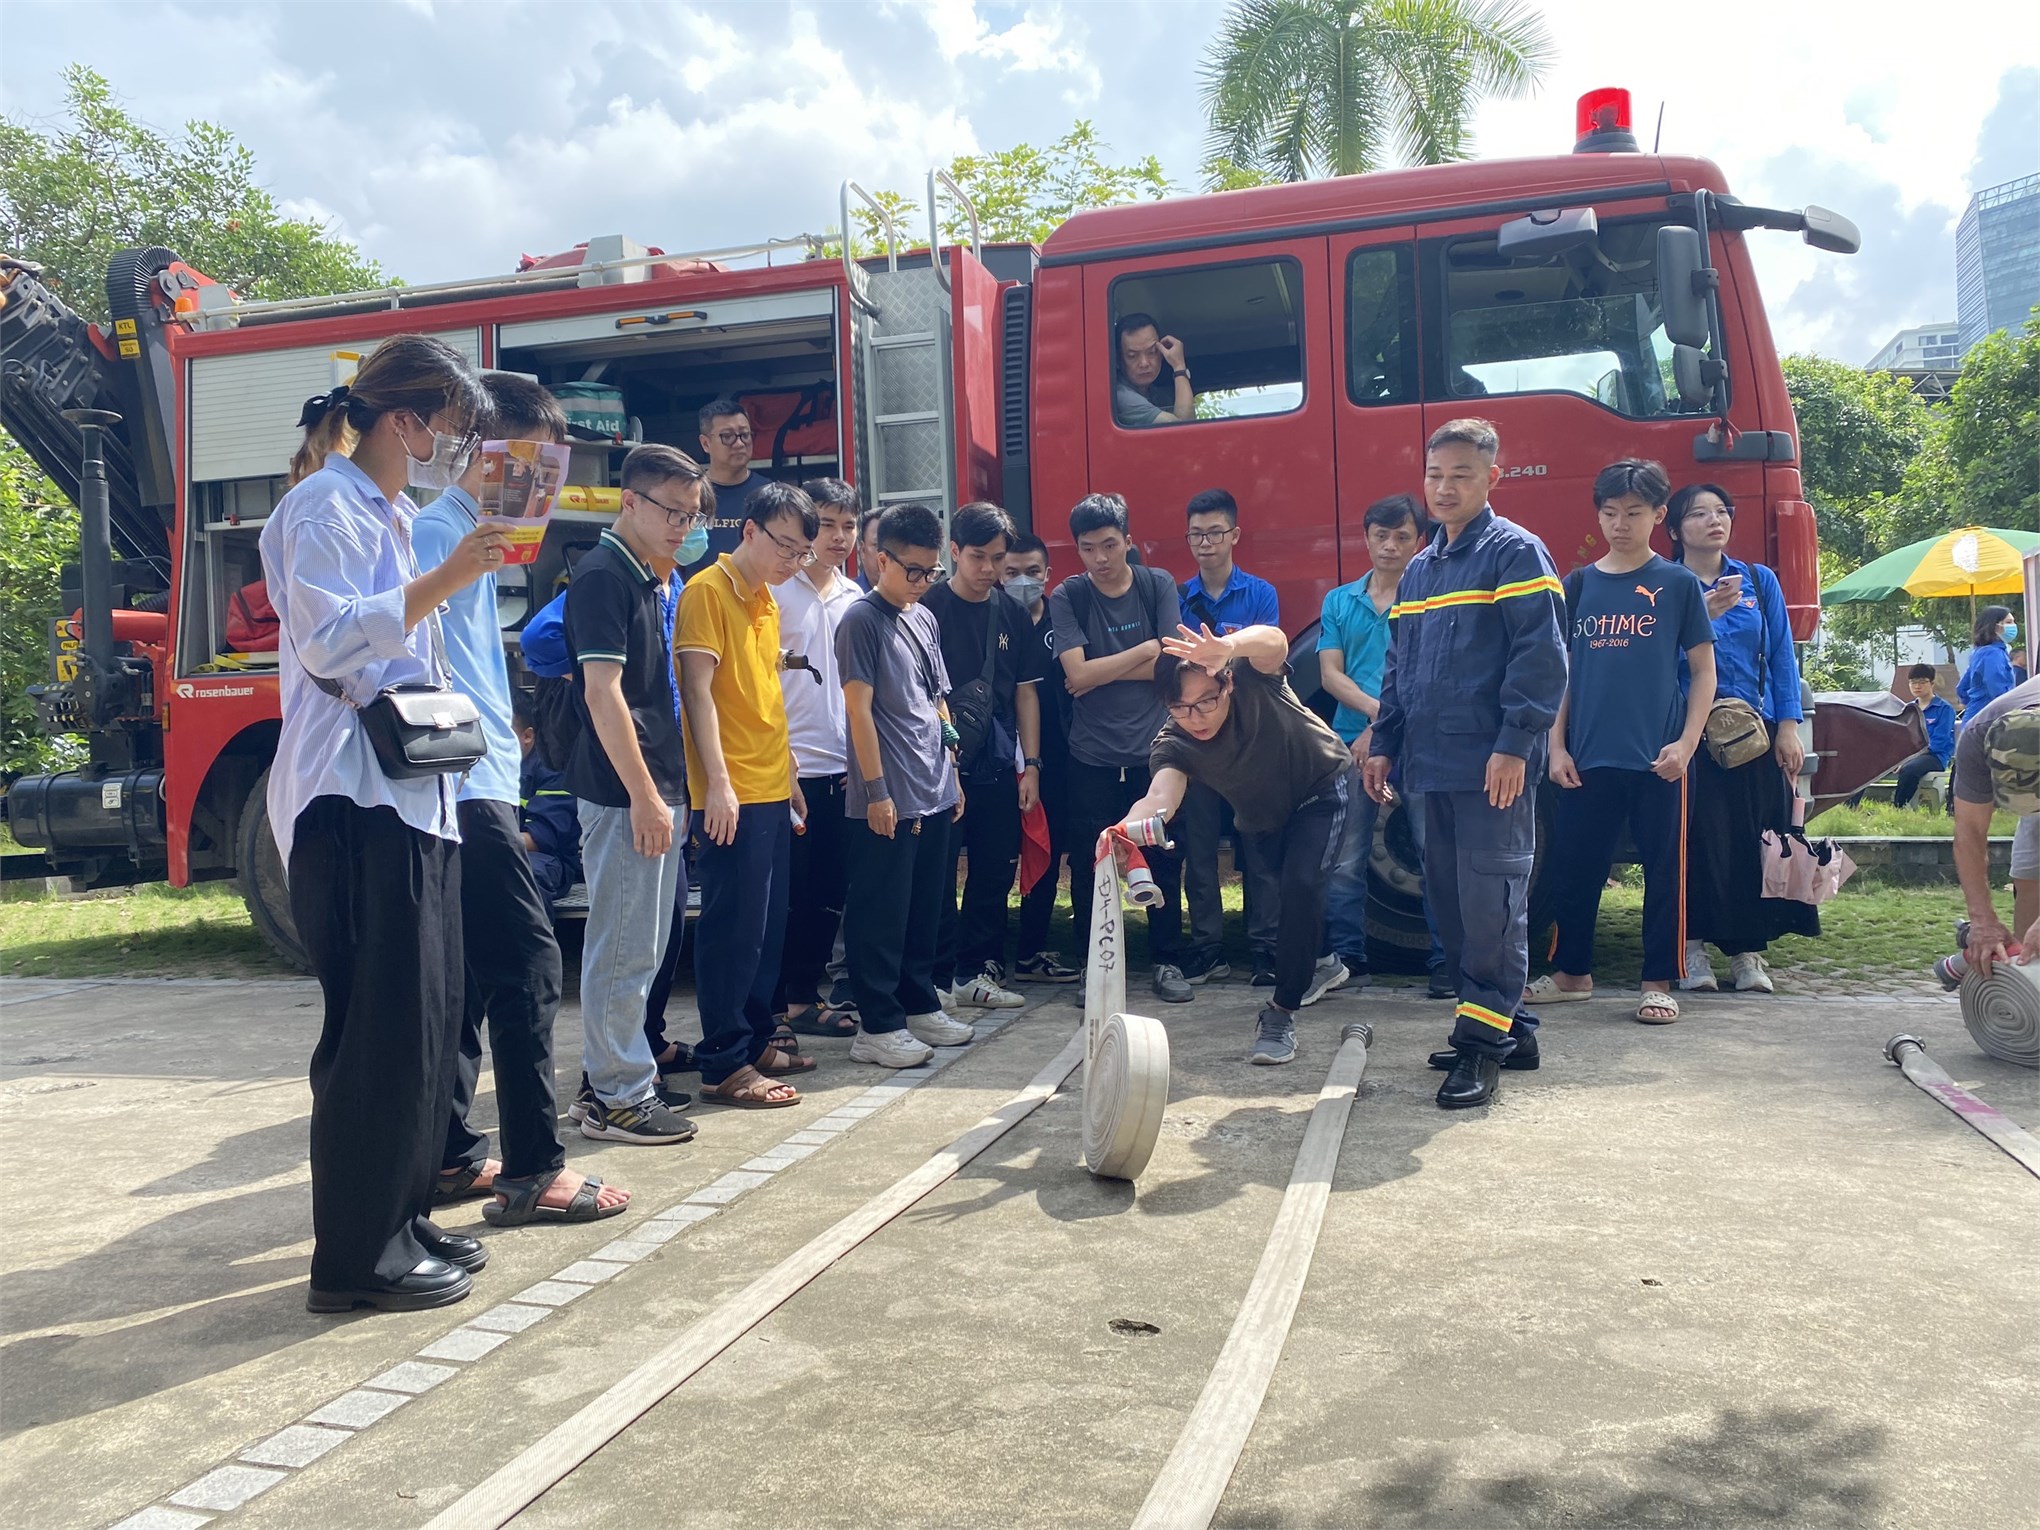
(1803,870)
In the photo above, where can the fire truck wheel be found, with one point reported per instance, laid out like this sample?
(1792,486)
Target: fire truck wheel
(260,878)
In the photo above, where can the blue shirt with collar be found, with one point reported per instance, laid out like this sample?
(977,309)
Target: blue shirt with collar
(474,648)
(1940,720)
(1753,657)
(1246,601)
(1351,623)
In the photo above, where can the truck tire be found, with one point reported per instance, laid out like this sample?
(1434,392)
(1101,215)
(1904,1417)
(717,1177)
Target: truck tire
(260,878)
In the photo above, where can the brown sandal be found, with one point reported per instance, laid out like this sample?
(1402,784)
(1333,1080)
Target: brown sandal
(748,1089)
(795,1063)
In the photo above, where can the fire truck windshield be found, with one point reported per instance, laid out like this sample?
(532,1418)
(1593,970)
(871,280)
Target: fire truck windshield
(1585,322)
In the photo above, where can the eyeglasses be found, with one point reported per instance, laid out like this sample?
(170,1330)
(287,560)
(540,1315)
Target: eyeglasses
(803,556)
(687,518)
(1206,538)
(919,575)
(1202,708)
(734,437)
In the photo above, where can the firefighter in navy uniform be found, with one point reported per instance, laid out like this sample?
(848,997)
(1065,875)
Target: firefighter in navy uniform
(1475,674)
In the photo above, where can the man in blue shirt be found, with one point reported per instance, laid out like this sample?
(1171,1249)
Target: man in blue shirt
(1353,636)
(516,985)
(1940,720)
(1226,599)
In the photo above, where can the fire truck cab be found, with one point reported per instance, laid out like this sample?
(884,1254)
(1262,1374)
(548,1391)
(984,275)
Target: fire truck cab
(1594,306)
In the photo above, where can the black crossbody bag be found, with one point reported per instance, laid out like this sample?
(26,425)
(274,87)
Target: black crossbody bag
(973,708)
(419,729)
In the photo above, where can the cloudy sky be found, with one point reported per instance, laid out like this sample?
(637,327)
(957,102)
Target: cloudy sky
(447,138)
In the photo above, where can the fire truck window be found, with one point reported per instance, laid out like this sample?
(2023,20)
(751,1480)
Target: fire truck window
(1381,326)
(1241,327)
(1584,323)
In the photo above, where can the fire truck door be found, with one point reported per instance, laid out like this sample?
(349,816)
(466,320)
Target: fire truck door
(1376,347)
(1254,324)
(974,376)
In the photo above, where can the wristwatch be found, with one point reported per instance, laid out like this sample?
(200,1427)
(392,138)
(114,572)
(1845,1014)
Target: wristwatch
(1032,762)
(1182,371)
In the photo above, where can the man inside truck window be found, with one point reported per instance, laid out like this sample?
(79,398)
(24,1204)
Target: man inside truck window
(1153,384)
(726,439)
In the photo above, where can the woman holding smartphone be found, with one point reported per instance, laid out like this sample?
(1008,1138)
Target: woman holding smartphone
(371,861)
(1731,808)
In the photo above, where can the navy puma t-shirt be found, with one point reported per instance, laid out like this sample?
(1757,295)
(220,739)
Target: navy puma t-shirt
(1624,636)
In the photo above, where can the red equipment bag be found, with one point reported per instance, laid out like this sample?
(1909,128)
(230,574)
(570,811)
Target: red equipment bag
(252,624)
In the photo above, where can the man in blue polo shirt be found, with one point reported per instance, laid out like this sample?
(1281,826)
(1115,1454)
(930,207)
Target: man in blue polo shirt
(515,983)
(1227,599)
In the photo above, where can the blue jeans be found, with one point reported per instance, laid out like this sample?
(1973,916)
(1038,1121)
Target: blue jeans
(1346,896)
(630,914)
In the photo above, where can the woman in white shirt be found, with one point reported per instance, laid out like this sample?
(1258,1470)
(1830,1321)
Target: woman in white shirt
(374,878)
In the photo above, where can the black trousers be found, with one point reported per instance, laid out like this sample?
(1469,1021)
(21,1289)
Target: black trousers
(1197,828)
(891,919)
(377,906)
(661,990)
(738,938)
(1099,797)
(990,831)
(818,872)
(1588,823)
(1305,851)
(1037,904)
(1477,863)
(511,978)
(1911,771)
(1731,809)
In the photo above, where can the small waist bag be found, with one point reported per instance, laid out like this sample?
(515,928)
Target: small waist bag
(1735,734)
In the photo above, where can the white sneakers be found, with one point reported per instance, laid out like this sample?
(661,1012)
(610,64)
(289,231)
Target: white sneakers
(1746,974)
(938,1030)
(1329,973)
(984,992)
(888,1049)
(1699,976)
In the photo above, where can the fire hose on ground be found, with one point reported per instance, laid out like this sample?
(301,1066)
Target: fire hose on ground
(1126,1057)
(1911,1056)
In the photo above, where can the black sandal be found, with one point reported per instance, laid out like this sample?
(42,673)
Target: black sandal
(820,1020)
(520,1202)
(460,1184)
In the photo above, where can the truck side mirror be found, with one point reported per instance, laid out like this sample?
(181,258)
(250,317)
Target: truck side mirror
(1680,286)
(1689,377)
(1544,234)
(1832,232)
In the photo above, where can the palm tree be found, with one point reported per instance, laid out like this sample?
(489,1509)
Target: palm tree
(1302,88)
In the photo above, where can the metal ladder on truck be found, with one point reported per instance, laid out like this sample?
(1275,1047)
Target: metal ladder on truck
(903,362)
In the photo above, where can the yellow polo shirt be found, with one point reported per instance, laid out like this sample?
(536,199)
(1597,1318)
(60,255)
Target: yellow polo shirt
(739,625)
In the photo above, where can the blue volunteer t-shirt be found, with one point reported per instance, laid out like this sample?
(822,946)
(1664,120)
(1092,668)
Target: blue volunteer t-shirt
(1625,634)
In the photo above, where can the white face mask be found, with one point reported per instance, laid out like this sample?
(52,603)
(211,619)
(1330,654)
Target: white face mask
(443,469)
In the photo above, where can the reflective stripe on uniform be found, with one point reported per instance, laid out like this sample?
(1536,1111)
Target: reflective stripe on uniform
(1543,582)
(1486,1017)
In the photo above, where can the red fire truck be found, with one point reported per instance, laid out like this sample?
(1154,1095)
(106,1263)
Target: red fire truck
(1594,305)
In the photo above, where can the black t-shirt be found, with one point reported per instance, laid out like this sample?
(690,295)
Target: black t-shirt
(614,615)
(1272,755)
(964,625)
(1054,692)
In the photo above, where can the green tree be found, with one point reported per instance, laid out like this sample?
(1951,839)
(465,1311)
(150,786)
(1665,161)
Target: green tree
(1298,89)
(97,181)
(1024,194)
(1981,466)
(71,194)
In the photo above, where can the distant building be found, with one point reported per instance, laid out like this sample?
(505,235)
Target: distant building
(1923,348)
(1997,259)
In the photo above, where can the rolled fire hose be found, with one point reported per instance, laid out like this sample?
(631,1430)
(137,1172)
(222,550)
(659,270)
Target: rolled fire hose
(1126,1057)
(1911,1056)
(2002,1011)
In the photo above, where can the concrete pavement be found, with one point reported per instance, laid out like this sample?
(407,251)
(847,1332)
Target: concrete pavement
(1734,1271)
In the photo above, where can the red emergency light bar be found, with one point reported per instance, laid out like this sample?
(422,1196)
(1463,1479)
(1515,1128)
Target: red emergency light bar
(1602,123)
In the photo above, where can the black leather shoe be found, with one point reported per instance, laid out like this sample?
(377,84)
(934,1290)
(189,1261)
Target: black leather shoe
(1522,1060)
(1473,1080)
(1440,987)
(434,1283)
(455,1248)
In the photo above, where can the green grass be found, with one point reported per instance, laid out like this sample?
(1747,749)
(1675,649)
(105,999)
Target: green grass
(1880,820)
(154,931)
(1869,932)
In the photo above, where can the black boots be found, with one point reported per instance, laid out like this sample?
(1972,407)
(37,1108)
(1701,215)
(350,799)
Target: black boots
(1472,1081)
(1522,1060)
